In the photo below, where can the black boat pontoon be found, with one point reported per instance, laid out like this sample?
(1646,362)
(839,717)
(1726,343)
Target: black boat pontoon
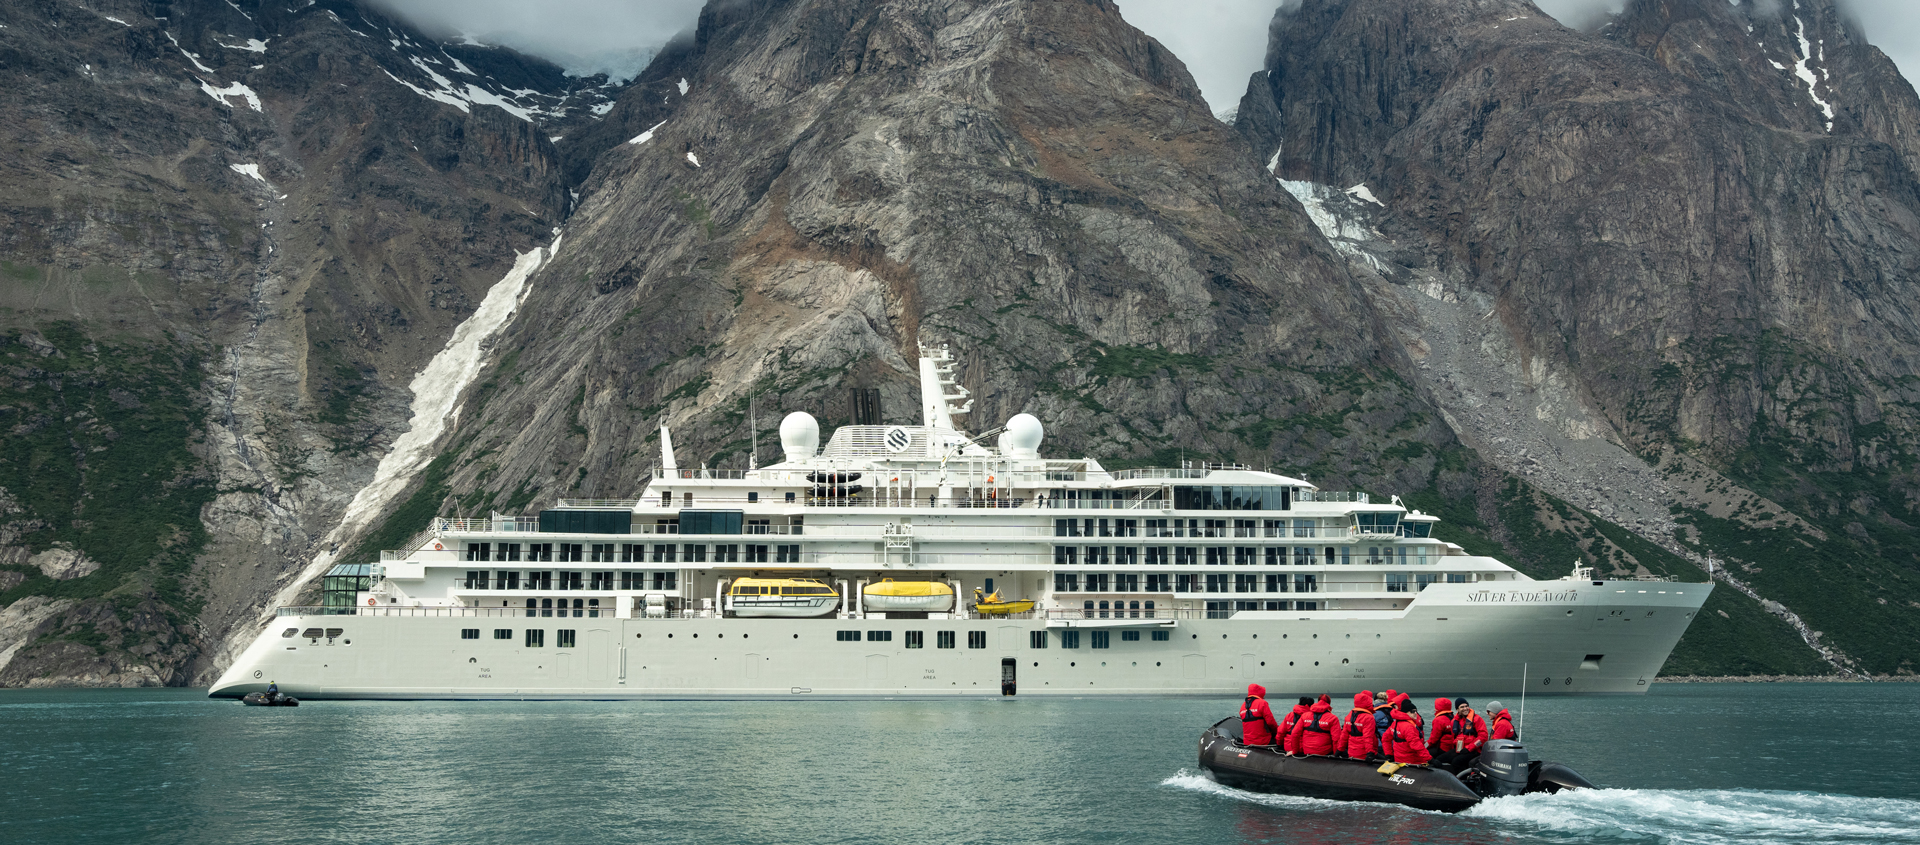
(1502,769)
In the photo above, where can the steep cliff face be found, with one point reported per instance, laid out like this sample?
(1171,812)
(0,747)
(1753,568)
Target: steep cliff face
(1700,221)
(1038,184)
(229,233)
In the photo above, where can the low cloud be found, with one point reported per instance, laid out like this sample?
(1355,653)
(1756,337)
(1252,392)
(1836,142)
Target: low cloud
(1222,42)
(615,37)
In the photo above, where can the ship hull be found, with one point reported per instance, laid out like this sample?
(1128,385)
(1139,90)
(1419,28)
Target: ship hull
(1611,638)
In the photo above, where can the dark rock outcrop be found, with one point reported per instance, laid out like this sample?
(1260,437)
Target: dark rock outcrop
(1705,213)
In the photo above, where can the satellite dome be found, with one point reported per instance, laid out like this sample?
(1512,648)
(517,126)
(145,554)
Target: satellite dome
(799,436)
(1023,436)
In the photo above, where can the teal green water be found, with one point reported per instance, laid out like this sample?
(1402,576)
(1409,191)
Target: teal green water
(1802,763)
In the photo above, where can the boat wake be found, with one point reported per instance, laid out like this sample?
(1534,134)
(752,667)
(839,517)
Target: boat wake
(1679,816)
(1711,815)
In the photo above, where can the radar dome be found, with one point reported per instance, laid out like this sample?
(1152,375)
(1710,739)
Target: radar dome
(799,436)
(1023,436)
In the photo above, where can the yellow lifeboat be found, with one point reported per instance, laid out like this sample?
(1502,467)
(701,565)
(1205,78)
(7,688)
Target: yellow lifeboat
(994,605)
(891,595)
(786,597)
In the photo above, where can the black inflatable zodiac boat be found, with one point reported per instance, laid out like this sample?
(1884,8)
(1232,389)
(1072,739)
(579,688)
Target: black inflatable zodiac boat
(260,699)
(1502,769)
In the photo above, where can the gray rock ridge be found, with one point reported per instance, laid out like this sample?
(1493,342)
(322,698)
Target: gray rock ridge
(1658,218)
(1037,183)
(288,204)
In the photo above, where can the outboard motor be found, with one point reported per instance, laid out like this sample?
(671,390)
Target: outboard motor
(1504,764)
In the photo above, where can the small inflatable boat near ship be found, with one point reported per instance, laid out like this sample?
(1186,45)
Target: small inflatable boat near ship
(260,699)
(1503,769)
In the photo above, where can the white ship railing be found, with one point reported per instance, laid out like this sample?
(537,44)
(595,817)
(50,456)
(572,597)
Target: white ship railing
(597,503)
(1334,496)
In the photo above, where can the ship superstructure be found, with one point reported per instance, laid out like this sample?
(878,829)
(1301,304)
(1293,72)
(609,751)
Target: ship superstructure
(925,560)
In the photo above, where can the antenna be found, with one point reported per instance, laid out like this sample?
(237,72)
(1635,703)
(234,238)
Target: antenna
(753,432)
(1521,734)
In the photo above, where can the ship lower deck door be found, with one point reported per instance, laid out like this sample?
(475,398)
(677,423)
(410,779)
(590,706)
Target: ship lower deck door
(1007,670)
(598,653)
(1010,637)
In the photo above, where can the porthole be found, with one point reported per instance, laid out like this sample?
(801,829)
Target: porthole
(743,636)
(721,636)
(1223,636)
(1256,636)
(696,636)
(1263,662)
(669,636)
(1283,636)
(473,660)
(1156,663)
(1289,663)
(1349,636)
(1316,662)
(1343,661)
(1103,663)
(1376,636)
(347,642)
(1545,681)
(637,636)
(1072,664)
(1196,636)
(1569,680)
(1316,636)
(1036,664)
(796,636)
(1136,662)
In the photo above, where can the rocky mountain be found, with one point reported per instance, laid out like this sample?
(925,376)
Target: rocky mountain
(285,283)
(1692,234)
(231,233)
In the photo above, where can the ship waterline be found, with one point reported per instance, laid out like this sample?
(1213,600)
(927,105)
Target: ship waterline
(1176,581)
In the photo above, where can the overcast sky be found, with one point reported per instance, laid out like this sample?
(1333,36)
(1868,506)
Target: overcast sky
(1221,41)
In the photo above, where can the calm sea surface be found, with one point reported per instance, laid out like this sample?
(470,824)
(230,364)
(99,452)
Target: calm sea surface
(1801,763)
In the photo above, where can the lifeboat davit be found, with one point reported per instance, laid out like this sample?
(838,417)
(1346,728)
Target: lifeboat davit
(1502,769)
(781,597)
(893,596)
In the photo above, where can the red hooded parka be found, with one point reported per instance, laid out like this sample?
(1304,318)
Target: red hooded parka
(1407,747)
(1287,725)
(1442,726)
(1257,726)
(1360,731)
(1502,726)
(1316,732)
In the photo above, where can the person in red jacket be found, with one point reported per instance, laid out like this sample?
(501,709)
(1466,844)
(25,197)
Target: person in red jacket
(1316,732)
(1459,745)
(1469,727)
(1502,723)
(1257,725)
(1360,733)
(1442,725)
(1407,745)
(1292,719)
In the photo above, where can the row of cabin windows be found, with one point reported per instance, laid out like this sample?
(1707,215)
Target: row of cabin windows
(1235,582)
(1225,609)
(1098,639)
(481,579)
(633,552)
(535,637)
(1197,527)
(1240,555)
(1196,582)
(915,639)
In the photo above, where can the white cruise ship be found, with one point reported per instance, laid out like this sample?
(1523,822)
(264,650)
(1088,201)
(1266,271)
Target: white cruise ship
(1029,575)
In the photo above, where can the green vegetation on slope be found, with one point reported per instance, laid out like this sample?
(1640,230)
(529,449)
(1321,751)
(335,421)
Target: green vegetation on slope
(99,459)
